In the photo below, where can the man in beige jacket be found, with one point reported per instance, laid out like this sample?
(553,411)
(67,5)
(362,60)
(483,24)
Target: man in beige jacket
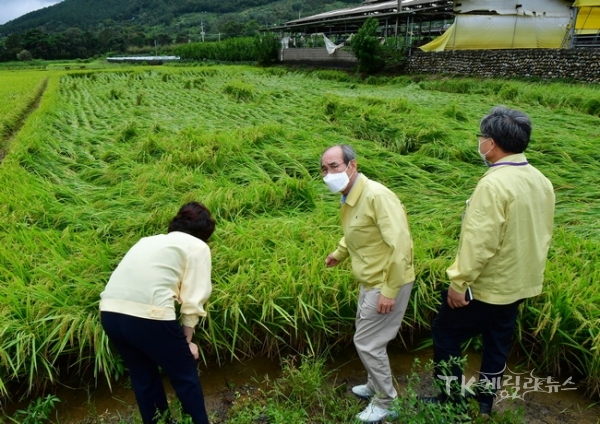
(377,239)
(504,241)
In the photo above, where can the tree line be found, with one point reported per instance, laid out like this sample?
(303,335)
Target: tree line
(75,43)
(80,29)
(72,43)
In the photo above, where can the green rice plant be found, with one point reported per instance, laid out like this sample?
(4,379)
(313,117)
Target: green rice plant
(276,71)
(373,80)
(18,89)
(509,92)
(19,92)
(451,85)
(379,121)
(208,72)
(333,75)
(453,111)
(575,307)
(239,91)
(402,80)
(114,94)
(592,106)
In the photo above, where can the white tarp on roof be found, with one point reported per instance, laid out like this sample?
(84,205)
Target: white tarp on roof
(515,7)
(505,24)
(478,32)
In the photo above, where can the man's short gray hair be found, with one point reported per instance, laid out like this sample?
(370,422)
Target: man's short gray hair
(348,153)
(510,128)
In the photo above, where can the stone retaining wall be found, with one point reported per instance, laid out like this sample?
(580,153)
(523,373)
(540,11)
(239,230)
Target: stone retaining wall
(579,64)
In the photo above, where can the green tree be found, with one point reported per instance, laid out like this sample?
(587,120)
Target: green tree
(232,28)
(267,48)
(137,38)
(181,38)
(13,44)
(36,42)
(367,48)
(163,39)
(74,43)
(251,28)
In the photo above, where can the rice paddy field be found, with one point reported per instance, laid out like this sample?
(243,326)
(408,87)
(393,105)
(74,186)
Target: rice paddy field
(109,156)
(18,91)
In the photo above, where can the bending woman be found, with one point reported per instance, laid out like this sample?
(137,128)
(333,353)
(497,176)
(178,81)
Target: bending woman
(138,312)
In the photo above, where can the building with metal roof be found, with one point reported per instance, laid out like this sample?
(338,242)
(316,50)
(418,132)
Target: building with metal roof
(414,19)
(462,24)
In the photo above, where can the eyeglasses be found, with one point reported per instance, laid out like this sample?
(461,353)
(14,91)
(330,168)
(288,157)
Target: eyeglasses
(333,168)
(483,136)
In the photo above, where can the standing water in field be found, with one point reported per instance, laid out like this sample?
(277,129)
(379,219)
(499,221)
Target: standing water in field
(545,405)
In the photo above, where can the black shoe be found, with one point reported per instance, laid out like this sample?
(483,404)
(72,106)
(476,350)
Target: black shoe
(485,408)
(430,399)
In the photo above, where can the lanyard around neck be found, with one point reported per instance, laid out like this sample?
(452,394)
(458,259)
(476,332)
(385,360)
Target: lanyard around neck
(509,164)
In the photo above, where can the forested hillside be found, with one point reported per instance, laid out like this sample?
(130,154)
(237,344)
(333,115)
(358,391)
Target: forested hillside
(84,28)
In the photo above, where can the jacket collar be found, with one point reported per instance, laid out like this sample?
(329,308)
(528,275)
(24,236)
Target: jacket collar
(356,190)
(518,159)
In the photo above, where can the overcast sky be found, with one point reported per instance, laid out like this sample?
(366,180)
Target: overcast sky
(12,9)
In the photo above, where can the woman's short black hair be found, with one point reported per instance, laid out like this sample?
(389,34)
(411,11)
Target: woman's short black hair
(194,219)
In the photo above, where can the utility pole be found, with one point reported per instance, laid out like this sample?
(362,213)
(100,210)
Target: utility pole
(399,10)
(202,30)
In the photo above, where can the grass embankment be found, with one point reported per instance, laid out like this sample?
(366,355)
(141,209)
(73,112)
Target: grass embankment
(110,156)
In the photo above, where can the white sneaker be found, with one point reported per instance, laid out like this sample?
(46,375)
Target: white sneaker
(375,414)
(363,391)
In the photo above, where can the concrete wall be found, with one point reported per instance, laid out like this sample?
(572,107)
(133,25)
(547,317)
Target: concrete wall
(317,56)
(580,64)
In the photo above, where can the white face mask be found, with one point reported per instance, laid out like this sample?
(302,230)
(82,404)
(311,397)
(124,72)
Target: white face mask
(483,155)
(337,182)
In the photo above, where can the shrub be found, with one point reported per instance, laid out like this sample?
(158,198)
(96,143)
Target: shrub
(241,49)
(267,49)
(24,55)
(367,48)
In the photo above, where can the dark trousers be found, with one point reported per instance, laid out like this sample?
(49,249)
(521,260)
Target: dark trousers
(145,345)
(452,327)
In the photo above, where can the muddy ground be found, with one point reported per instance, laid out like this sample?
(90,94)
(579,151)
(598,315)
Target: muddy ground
(551,403)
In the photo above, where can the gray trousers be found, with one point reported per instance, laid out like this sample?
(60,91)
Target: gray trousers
(373,332)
